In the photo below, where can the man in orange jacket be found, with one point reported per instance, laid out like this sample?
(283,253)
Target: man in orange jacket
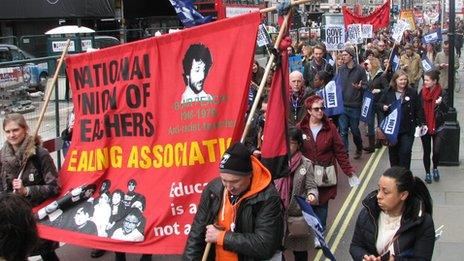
(240,213)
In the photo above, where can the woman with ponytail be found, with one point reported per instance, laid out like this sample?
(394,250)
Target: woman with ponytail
(396,221)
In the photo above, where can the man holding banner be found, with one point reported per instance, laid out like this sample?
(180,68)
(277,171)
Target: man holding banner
(240,212)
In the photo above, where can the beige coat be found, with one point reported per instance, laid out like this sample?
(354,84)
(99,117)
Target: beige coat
(413,67)
(442,57)
(303,184)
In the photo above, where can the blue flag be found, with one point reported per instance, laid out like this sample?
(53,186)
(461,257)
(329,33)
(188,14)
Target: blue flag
(295,63)
(434,37)
(367,107)
(333,97)
(314,224)
(427,65)
(390,126)
(187,13)
(395,60)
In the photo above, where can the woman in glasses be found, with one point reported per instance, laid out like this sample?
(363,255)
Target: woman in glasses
(323,146)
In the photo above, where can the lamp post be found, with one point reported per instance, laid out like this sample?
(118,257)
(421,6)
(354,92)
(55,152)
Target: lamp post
(450,146)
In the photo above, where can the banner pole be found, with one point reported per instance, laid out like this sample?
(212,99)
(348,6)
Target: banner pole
(206,253)
(266,74)
(390,57)
(47,98)
(273,8)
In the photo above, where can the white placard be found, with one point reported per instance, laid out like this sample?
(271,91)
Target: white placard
(399,29)
(86,44)
(58,46)
(354,33)
(367,31)
(234,11)
(335,37)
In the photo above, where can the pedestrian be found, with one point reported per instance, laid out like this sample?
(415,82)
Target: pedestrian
(411,116)
(323,146)
(298,94)
(318,63)
(300,182)
(377,83)
(434,104)
(354,82)
(442,63)
(395,222)
(39,181)
(18,230)
(410,62)
(240,213)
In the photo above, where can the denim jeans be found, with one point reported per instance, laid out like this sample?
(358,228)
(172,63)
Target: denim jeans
(400,154)
(350,120)
(321,212)
(371,122)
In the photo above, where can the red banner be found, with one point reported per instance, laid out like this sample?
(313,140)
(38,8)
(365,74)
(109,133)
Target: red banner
(153,119)
(380,18)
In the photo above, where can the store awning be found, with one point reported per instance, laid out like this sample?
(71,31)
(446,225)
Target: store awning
(34,9)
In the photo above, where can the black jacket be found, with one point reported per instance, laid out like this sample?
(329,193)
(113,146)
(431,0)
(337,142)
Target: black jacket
(259,225)
(416,235)
(412,114)
(353,97)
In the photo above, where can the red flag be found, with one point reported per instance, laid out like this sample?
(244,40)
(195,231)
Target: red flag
(153,118)
(274,151)
(380,18)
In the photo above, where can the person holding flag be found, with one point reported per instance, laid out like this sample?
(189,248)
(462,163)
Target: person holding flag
(376,84)
(395,222)
(411,116)
(240,214)
(300,182)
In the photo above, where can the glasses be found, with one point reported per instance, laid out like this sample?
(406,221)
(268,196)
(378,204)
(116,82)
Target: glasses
(317,108)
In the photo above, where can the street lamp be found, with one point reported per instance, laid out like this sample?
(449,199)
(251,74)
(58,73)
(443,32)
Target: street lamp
(450,147)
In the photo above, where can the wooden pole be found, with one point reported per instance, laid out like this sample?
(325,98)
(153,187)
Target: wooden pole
(47,98)
(206,253)
(266,74)
(390,57)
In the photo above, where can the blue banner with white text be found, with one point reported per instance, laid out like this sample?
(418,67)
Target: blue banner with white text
(367,107)
(390,126)
(333,97)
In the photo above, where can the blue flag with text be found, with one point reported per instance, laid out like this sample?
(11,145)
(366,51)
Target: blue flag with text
(314,223)
(333,97)
(367,107)
(187,13)
(390,126)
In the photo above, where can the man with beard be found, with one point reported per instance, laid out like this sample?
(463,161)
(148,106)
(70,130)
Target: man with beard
(196,64)
(318,63)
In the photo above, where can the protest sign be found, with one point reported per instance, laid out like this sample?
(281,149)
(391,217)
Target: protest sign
(263,37)
(433,37)
(398,30)
(152,120)
(408,16)
(295,63)
(367,31)
(335,37)
(333,97)
(354,32)
(427,65)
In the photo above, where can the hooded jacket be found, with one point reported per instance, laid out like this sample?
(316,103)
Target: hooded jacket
(415,239)
(258,222)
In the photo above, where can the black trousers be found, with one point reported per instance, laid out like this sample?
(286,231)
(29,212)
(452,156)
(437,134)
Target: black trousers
(400,153)
(427,142)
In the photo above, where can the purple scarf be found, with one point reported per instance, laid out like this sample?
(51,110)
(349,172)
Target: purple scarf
(284,185)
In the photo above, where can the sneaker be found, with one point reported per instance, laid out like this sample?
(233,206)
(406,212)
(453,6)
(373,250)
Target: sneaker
(96,253)
(428,178)
(357,154)
(436,175)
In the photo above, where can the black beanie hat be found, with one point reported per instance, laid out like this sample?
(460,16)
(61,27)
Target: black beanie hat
(236,160)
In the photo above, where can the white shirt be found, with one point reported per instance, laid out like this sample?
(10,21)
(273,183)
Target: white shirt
(190,96)
(135,235)
(388,226)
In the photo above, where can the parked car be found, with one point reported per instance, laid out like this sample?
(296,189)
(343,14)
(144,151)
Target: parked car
(35,75)
(103,41)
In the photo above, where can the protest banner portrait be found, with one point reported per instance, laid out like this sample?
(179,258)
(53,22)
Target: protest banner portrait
(147,149)
(335,37)
(354,33)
